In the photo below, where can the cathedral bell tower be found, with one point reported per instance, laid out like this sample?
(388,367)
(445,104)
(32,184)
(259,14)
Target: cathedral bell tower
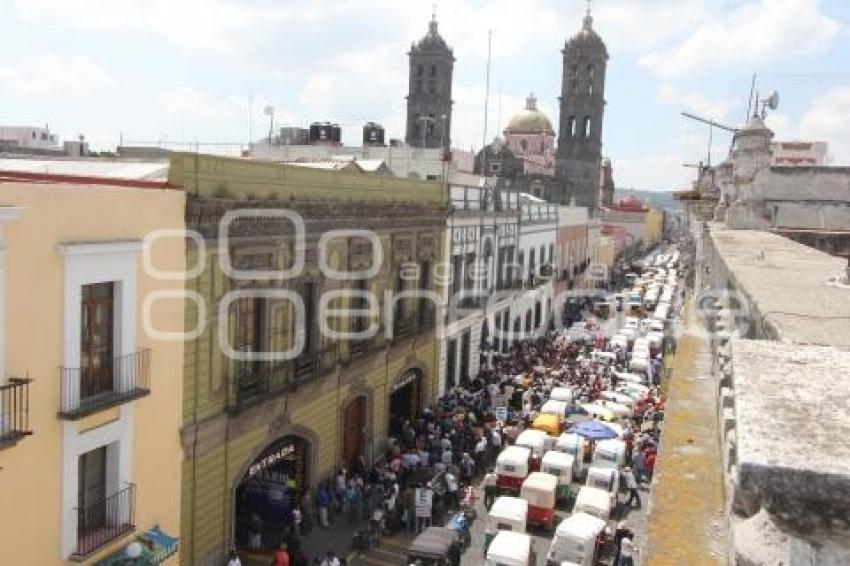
(582,104)
(429,98)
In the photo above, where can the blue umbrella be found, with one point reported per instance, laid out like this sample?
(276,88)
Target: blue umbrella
(594,430)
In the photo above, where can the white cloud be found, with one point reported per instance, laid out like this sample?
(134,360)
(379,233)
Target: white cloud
(652,172)
(782,126)
(54,75)
(754,33)
(828,119)
(696,103)
(219,27)
(628,26)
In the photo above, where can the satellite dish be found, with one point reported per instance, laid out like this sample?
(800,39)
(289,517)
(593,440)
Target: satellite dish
(773,100)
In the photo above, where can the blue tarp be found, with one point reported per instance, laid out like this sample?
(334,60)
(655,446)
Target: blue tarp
(594,430)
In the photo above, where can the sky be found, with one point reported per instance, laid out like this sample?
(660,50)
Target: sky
(204,70)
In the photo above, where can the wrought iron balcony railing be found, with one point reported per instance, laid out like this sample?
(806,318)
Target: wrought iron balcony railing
(104,520)
(363,347)
(253,383)
(311,366)
(87,390)
(14,411)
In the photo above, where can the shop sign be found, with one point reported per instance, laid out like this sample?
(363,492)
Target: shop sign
(405,380)
(271,459)
(422,502)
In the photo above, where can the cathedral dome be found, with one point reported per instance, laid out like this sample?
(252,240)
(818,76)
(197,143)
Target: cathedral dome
(530,119)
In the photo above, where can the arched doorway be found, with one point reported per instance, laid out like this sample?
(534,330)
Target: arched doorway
(354,433)
(270,487)
(405,401)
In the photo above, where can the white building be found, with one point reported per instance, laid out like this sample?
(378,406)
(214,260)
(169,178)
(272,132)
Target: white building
(482,233)
(28,137)
(800,153)
(538,227)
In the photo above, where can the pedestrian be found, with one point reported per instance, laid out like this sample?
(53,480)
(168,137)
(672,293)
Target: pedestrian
(451,490)
(323,501)
(296,518)
(480,452)
(339,489)
(631,486)
(234,559)
(627,546)
(352,500)
(490,488)
(467,468)
(639,466)
(376,525)
(649,462)
(281,556)
(331,559)
(307,519)
(409,510)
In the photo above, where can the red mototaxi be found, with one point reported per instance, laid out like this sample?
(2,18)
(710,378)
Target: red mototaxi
(540,490)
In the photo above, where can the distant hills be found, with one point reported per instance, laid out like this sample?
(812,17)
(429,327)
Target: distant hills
(659,199)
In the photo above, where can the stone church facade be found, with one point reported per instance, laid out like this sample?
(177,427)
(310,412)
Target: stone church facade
(582,106)
(429,99)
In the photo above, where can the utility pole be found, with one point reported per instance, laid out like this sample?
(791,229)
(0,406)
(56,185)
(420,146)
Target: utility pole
(486,105)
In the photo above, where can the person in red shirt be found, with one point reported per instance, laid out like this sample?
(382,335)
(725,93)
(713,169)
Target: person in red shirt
(649,462)
(281,556)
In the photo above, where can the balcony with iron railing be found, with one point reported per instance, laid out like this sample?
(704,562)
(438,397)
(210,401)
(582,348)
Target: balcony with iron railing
(88,390)
(252,383)
(359,348)
(14,411)
(102,521)
(313,365)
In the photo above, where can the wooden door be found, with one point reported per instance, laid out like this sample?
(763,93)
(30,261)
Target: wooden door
(354,432)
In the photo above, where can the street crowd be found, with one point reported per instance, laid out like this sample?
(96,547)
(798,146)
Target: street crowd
(454,443)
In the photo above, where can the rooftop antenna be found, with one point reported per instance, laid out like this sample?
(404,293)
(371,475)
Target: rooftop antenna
(499,116)
(711,125)
(750,101)
(771,102)
(250,118)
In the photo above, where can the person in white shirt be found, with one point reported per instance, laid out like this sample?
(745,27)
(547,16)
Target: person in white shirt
(234,559)
(451,490)
(627,547)
(490,488)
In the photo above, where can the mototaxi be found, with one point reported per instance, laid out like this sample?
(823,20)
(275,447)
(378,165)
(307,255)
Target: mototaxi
(540,490)
(512,468)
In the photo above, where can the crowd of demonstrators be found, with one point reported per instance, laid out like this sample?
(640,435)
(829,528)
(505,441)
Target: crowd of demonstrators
(455,441)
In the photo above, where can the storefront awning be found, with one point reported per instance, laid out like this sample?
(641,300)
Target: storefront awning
(157,546)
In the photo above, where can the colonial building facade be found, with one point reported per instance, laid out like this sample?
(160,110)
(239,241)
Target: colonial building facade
(277,395)
(481,241)
(90,370)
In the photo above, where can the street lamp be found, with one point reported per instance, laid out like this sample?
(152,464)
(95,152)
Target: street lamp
(269,111)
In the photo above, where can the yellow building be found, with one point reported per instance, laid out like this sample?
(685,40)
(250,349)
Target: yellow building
(653,227)
(274,401)
(90,389)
